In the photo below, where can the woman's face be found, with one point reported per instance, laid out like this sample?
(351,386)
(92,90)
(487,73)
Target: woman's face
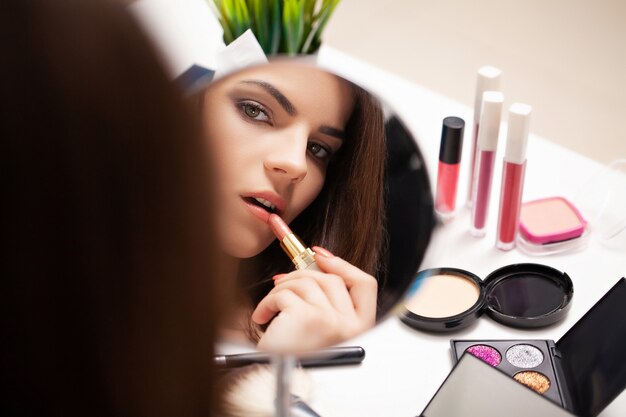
(273,131)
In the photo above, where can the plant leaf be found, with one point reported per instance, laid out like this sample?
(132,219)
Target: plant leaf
(313,40)
(308,16)
(259,19)
(220,11)
(293,25)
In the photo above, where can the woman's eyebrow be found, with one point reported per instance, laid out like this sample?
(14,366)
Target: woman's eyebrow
(280,97)
(331,131)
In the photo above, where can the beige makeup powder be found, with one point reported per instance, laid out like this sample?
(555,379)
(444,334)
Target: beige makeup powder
(443,296)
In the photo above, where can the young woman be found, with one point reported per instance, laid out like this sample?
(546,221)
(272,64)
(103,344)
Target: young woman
(305,144)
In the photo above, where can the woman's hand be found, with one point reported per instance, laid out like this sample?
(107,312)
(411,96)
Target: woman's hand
(312,309)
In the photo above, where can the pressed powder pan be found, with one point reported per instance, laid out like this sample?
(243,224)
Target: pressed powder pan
(519,295)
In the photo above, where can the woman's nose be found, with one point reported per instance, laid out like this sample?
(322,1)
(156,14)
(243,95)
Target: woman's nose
(288,156)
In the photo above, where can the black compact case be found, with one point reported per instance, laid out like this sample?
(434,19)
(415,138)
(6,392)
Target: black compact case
(525,295)
(586,368)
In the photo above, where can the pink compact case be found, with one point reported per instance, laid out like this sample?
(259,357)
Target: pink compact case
(550,220)
(551,225)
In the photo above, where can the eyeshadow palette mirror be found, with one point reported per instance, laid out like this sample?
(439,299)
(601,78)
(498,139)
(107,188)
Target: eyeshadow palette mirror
(463,394)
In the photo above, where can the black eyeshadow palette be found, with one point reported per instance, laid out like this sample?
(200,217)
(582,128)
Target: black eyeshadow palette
(529,362)
(582,372)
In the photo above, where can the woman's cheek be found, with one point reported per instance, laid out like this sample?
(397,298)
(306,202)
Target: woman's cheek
(315,184)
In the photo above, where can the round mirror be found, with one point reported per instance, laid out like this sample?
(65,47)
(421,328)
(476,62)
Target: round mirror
(323,191)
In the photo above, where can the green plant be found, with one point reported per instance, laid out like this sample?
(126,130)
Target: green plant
(281,26)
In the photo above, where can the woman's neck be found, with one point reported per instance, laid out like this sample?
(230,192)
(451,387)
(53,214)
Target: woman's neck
(230,267)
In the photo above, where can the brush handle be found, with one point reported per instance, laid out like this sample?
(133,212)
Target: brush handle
(343,355)
(301,409)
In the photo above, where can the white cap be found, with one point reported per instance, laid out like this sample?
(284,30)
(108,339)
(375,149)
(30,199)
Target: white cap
(488,80)
(490,115)
(517,133)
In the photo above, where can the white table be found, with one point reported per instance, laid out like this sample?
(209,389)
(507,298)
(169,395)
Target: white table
(403,367)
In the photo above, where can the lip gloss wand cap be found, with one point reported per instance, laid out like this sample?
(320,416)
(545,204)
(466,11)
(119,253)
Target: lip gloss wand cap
(488,80)
(517,133)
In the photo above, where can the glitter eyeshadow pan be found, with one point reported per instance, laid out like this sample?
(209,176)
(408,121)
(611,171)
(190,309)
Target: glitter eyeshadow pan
(524,356)
(534,380)
(486,354)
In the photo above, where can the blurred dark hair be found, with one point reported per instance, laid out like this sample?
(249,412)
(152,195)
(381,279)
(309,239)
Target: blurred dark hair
(110,292)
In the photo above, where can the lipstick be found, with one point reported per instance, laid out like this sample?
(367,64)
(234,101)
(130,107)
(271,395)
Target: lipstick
(448,170)
(488,79)
(513,175)
(485,156)
(301,256)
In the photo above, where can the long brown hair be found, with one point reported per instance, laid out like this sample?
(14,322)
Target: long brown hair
(110,295)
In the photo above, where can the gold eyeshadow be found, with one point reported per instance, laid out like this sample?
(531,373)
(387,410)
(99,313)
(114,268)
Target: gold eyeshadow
(536,381)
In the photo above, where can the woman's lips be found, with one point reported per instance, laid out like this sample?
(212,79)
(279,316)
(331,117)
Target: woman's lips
(267,198)
(257,210)
(257,203)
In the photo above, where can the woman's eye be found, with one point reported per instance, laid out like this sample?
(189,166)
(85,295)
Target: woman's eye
(254,111)
(319,151)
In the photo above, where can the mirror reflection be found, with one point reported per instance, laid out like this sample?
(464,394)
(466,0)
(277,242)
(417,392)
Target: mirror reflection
(323,203)
(112,252)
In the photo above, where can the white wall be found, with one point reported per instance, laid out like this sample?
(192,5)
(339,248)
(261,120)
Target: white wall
(567,58)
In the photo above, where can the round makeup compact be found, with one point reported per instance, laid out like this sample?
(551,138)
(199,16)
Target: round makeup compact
(519,295)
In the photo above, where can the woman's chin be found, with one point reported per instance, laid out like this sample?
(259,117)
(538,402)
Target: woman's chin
(243,248)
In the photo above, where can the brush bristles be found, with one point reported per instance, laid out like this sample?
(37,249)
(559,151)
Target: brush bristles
(251,391)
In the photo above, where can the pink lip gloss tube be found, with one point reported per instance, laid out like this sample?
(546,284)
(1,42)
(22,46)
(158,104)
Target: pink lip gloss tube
(485,155)
(513,175)
(488,79)
(449,162)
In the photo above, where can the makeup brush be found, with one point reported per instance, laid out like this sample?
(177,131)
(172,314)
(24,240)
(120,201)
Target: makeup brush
(250,391)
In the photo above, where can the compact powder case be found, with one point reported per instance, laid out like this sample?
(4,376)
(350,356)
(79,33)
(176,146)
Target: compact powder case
(519,295)
(551,225)
(582,372)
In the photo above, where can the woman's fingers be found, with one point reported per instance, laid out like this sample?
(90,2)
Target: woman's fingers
(333,287)
(307,289)
(274,303)
(311,308)
(363,288)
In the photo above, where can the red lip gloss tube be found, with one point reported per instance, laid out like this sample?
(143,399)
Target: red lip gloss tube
(449,162)
(513,175)
(488,79)
(485,155)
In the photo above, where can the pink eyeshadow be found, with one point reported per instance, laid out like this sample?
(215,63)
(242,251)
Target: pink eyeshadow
(550,220)
(486,353)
